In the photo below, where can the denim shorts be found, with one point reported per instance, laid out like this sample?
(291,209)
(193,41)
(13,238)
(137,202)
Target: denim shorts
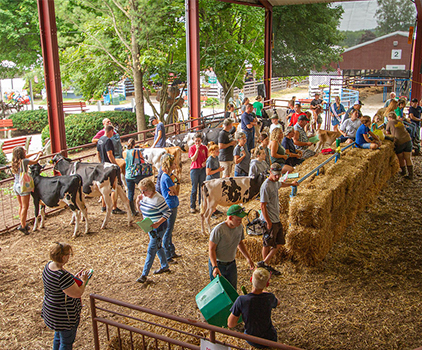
(17,190)
(365,145)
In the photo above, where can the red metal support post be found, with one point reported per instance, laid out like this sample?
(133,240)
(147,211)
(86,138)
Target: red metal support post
(268,48)
(192,53)
(50,52)
(417,55)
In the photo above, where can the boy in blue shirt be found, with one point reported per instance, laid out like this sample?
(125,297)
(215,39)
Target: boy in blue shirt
(256,308)
(362,135)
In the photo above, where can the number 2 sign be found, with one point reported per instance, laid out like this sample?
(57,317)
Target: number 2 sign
(396,54)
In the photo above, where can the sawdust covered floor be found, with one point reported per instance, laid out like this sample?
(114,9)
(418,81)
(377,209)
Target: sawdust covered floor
(365,295)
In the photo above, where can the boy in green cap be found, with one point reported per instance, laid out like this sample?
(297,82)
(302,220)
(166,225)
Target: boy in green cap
(225,239)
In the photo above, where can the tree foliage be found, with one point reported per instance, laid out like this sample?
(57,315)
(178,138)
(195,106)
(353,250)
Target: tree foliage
(394,15)
(118,39)
(230,37)
(19,33)
(305,38)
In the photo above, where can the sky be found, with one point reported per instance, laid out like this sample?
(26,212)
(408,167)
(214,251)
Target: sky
(358,15)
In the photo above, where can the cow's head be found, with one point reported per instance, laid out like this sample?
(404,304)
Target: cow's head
(256,183)
(36,169)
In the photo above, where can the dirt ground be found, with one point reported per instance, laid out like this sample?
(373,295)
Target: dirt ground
(366,294)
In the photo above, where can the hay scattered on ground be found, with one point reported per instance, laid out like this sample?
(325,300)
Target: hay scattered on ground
(365,294)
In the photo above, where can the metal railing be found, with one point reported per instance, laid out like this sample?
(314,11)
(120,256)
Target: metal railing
(335,156)
(135,324)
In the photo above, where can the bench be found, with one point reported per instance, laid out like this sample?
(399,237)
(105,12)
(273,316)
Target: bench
(74,107)
(8,145)
(7,127)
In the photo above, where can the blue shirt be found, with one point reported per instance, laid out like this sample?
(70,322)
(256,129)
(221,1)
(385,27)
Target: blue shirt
(362,130)
(246,119)
(158,183)
(162,142)
(256,313)
(165,183)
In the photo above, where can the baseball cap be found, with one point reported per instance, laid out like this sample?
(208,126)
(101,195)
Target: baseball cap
(152,118)
(303,117)
(297,103)
(274,116)
(289,129)
(236,210)
(276,169)
(260,278)
(358,102)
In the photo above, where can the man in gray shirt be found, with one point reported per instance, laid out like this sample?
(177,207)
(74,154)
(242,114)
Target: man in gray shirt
(225,239)
(270,213)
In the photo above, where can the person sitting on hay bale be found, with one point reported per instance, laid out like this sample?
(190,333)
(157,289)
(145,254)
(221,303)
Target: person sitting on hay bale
(349,127)
(256,308)
(295,156)
(365,138)
(277,151)
(403,144)
(300,139)
(258,164)
(274,238)
(225,239)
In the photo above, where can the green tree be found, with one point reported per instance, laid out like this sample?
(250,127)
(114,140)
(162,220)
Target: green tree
(121,38)
(231,36)
(394,15)
(305,37)
(351,38)
(19,33)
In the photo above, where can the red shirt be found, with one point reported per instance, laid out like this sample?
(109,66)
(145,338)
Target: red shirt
(295,117)
(202,156)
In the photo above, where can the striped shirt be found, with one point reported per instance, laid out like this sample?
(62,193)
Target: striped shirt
(154,208)
(59,311)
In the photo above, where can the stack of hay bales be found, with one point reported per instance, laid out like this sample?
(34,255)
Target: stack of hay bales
(327,203)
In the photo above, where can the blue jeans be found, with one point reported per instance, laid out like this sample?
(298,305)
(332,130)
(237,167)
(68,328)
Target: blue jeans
(250,138)
(155,248)
(63,340)
(240,173)
(366,145)
(168,245)
(229,272)
(197,177)
(131,188)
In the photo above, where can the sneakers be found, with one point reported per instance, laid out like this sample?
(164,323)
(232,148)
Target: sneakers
(192,210)
(23,229)
(175,256)
(161,270)
(171,261)
(268,268)
(118,211)
(142,279)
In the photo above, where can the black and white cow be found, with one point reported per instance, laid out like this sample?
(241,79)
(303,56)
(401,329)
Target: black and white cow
(51,191)
(98,180)
(226,192)
(187,139)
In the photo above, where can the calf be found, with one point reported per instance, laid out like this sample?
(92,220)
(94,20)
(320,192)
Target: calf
(326,139)
(98,180)
(153,156)
(50,191)
(226,192)
(176,152)
(183,140)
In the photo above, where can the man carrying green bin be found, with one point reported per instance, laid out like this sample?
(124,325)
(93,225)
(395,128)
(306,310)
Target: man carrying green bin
(225,239)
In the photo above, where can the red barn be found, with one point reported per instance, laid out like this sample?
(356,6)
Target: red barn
(389,54)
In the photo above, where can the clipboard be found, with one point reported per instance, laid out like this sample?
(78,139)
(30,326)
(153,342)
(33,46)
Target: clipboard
(145,224)
(293,176)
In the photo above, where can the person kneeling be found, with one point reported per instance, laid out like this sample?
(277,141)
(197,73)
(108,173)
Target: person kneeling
(256,308)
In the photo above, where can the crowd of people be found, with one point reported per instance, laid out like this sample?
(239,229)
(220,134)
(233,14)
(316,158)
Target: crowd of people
(242,155)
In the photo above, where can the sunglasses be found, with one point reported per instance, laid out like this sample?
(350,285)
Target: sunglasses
(238,211)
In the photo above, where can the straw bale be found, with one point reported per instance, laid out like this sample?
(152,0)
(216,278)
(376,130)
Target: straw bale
(254,246)
(328,203)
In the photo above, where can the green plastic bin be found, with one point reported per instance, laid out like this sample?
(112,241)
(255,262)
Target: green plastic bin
(215,301)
